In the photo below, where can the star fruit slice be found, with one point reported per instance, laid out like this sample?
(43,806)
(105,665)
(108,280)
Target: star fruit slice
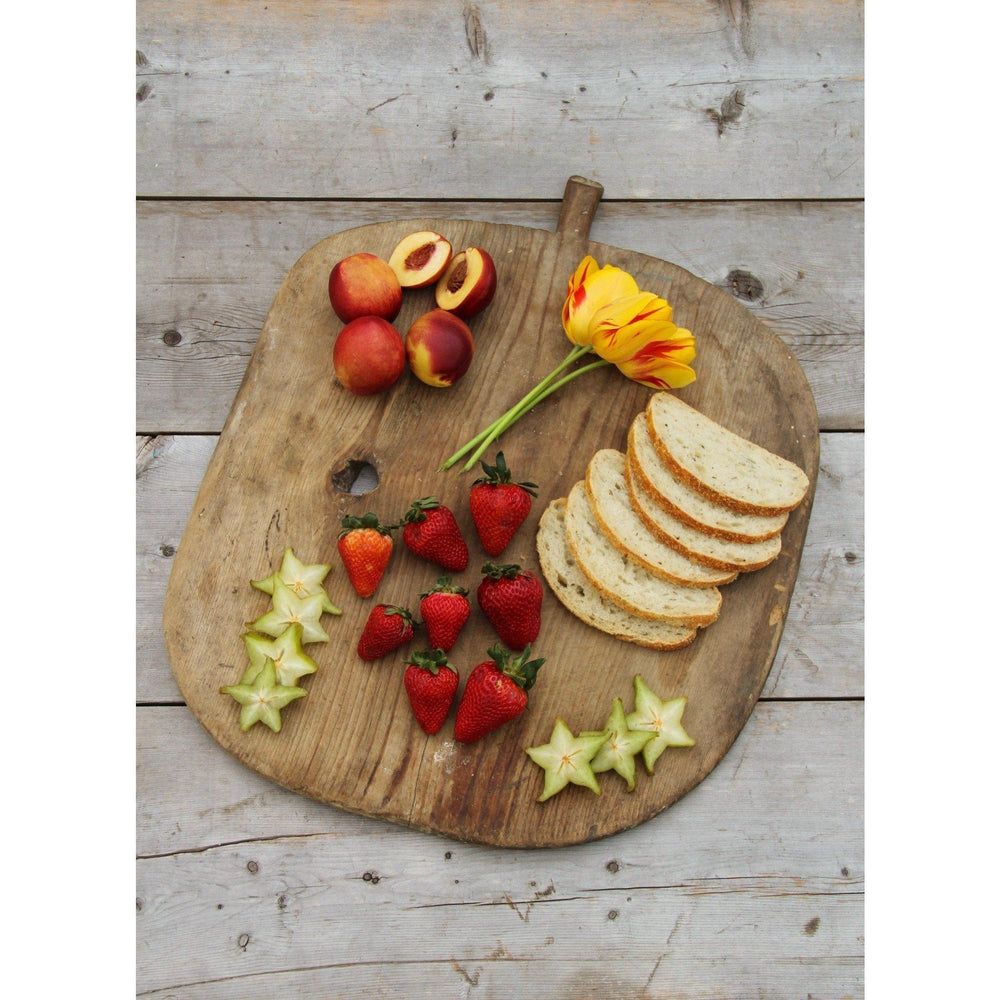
(305,580)
(662,718)
(289,609)
(290,661)
(263,698)
(566,758)
(618,751)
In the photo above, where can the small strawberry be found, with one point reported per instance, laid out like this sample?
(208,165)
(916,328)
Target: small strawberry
(430,682)
(499,505)
(365,546)
(495,693)
(431,532)
(444,611)
(386,629)
(511,598)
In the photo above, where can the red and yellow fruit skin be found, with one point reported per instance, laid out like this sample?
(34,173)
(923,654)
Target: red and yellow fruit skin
(439,348)
(365,547)
(468,284)
(364,285)
(368,356)
(511,599)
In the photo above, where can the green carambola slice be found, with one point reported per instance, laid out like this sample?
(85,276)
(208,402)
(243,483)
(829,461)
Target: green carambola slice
(305,580)
(290,662)
(288,609)
(263,698)
(566,758)
(618,751)
(662,718)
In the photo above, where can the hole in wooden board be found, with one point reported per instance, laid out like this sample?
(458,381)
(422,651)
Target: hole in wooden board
(356,476)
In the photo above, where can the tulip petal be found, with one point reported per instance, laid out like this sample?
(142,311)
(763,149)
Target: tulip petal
(622,327)
(590,289)
(663,364)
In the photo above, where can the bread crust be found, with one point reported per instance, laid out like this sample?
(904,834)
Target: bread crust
(689,479)
(723,577)
(680,618)
(636,481)
(564,594)
(682,515)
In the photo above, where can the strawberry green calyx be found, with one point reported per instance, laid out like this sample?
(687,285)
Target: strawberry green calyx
(353,523)
(662,718)
(507,571)
(305,580)
(418,509)
(394,609)
(431,660)
(263,698)
(518,668)
(567,759)
(285,650)
(500,475)
(444,586)
(621,744)
(288,609)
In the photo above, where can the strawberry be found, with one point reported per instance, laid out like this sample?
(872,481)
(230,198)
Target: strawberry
(387,628)
(430,682)
(511,598)
(365,546)
(444,611)
(495,693)
(431,532)
(499,505)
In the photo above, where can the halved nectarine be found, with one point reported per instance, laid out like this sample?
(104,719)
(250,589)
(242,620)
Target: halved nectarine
(468,284)
(420,258)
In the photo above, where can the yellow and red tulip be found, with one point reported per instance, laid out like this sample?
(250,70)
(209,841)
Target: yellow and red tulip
(590,289)
(606,313)
(639,336)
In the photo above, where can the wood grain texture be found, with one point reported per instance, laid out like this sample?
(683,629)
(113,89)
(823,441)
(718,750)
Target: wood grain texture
(268,486)
(686,99)
(750,884)
(821,653)
(207,272)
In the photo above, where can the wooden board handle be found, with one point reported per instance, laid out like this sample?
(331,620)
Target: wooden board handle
(580,201)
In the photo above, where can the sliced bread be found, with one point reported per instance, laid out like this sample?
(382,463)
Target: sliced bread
(624,582)
(719,553)
(719,464)
(689,505)
(617,518)
(577,595)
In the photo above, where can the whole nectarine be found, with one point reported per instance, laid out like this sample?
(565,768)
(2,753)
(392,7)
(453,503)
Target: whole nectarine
(368,355)
(439,347)
(364,285)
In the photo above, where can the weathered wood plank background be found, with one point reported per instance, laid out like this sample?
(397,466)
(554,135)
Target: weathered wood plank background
(729,139)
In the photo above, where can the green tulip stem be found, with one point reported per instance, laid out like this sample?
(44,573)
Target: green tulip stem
(487,435)
(516,412)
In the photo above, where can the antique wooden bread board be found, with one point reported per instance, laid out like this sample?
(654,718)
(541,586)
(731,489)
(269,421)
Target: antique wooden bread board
(279,477)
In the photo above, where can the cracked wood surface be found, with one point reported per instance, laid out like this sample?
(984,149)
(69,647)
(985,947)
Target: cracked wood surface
(756,876)
(728,136)
(763,98)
